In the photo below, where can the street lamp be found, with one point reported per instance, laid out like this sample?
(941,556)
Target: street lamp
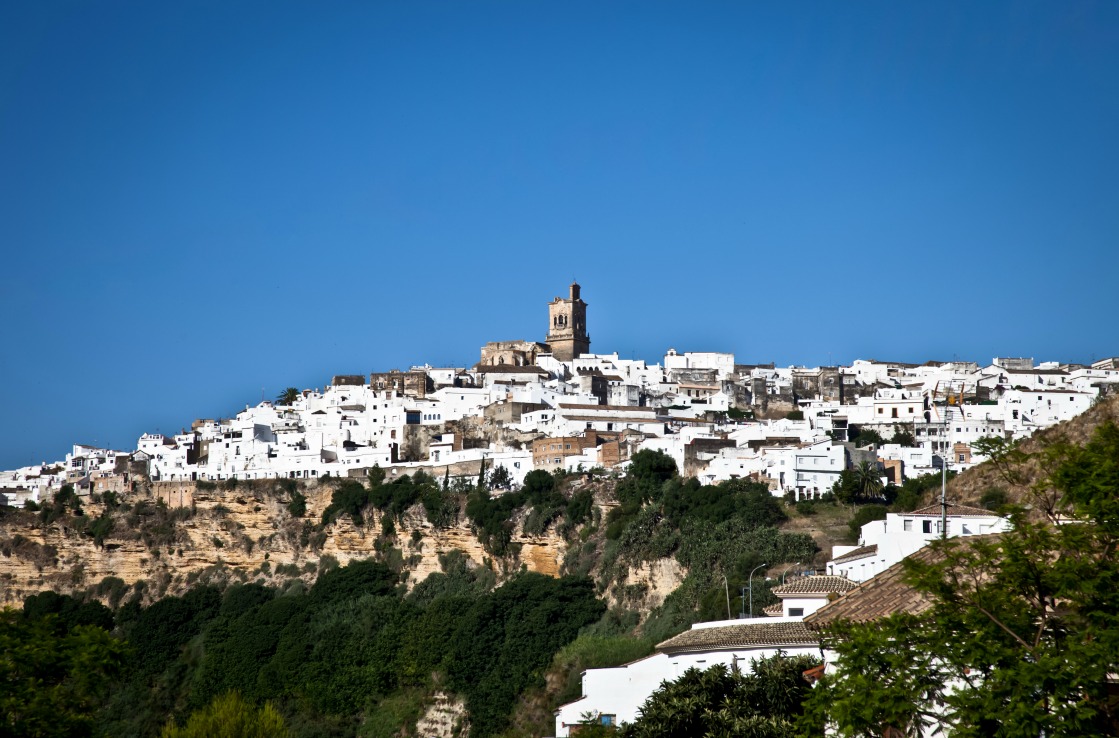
(787,568)
(759,566)
(726,589)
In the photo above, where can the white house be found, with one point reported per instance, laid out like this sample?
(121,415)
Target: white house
(884,543)
(614,696)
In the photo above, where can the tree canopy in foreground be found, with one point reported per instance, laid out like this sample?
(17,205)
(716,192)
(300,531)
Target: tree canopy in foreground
(1022,635)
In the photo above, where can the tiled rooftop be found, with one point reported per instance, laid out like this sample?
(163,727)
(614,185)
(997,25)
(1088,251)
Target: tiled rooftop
(884,593)
(953,509)
(746,634)
(815,585)
(859,553)
(875,598)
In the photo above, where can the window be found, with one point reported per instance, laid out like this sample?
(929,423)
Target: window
(926,526)
(796,611)
(907,525)
(893,412)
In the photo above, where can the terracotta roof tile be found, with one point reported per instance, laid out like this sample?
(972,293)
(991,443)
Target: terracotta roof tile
(823,585)
(859,553)
(885,593)
(953,509)
(879,596)
(750,633)
(773,610)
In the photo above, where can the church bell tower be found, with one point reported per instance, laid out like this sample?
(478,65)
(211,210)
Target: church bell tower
(567,326)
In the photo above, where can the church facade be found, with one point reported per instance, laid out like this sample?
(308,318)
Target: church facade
(567,336)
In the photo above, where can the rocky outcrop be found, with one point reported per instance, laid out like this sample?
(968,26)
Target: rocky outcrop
(444,718)
(242,534)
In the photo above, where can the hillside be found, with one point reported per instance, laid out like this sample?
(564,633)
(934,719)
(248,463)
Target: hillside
(1025,468)
(245,565)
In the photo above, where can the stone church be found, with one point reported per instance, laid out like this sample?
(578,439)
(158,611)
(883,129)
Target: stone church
(567,336)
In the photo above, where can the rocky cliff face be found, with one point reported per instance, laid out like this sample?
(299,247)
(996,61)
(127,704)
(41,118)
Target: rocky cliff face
(223,535)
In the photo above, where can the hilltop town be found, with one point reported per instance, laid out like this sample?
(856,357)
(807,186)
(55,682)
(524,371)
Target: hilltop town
(553,404)
(646,498)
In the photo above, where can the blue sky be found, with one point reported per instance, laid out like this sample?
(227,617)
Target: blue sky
(204,201)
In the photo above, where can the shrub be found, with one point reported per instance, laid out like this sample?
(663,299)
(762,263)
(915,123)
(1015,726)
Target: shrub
(298,505)
(864,515)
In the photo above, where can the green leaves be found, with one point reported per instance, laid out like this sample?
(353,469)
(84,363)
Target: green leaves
(719,703)
(53,677)
(505,641)
(1023,630)
(230,716)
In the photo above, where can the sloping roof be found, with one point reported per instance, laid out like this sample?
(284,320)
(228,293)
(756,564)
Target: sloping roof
(953,509)
(859,553)
(749,634)
(877,597)
(773,610)
(822,585)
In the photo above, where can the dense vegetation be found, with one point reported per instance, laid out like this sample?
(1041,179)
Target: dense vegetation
(714,531)
(333,656)
(719,703)
(1022,635)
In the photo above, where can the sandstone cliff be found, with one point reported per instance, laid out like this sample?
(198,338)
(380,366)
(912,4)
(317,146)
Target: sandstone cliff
(223,535)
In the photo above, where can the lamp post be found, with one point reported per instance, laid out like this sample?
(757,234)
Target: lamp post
(726,589)
(742,614)
(787,568)
(759,566)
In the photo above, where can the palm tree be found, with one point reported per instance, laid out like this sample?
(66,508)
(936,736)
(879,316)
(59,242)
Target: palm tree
(288,396)
(868,480)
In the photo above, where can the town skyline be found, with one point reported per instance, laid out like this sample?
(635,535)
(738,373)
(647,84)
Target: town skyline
(129,429)
(197,202)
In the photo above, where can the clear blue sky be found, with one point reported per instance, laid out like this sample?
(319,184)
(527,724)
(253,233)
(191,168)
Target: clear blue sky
(201,200)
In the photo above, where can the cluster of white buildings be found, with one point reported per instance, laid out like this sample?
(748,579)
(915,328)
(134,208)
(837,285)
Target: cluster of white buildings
(555,405)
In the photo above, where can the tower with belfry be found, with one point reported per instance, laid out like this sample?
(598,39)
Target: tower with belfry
(567,326)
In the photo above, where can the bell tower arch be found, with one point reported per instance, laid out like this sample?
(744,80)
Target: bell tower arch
(567,326)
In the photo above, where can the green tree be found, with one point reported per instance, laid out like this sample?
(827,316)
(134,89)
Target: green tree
(846,488)
(862,516)
(869,479)
(288,396)
(1024,626)
(720,703)
(52,678)
(864,436)
(903,435)
(505,641)
(230,716)
(501,479)
(1004,454)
